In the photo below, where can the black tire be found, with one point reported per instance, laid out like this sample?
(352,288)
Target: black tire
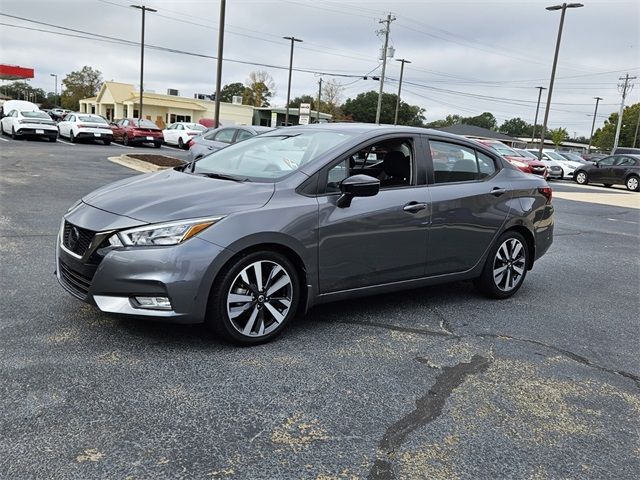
(218,318)
(157,144)
(180,143)
(106,142)
(510,260)
(14,135)
(72,137)
(608,185)
(2,129)
(581,177)
(125,140)
(53,139)
(632,183)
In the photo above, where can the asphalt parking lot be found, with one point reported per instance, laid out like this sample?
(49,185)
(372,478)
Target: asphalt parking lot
(431,383)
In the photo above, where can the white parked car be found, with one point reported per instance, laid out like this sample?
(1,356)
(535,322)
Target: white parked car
(555,169)
(568,166)
(180,133)
(22,119)
(76,126)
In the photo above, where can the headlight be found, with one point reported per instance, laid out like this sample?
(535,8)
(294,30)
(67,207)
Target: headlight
(162,234)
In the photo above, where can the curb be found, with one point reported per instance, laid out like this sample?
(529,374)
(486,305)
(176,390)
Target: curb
(135,164)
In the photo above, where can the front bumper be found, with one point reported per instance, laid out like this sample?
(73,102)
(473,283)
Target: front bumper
(111,278)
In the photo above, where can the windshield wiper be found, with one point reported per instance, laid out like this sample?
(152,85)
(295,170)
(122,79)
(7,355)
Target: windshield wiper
(222,176)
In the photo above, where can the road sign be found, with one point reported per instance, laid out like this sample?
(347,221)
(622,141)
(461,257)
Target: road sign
(305,109)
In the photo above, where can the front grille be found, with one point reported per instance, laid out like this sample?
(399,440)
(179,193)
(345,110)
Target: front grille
(76,239)
(74,280)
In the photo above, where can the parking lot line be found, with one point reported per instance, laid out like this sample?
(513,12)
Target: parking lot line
(66,143)
(4,139)
(121,146)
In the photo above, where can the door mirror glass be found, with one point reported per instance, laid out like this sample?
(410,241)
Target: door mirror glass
(357,186)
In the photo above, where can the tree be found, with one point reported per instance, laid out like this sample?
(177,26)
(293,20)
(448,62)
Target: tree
(603,138)
(332,94)
(363,109)
(231,90)
(484,120)
(295,103)
(558,136)
(516,127)
(21,90)
(260,87)
(447,122)
(81,84)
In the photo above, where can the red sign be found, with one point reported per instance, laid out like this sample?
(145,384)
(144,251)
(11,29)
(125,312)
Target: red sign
(13,72)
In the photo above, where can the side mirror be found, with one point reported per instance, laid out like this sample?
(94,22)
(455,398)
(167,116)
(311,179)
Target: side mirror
(357,186)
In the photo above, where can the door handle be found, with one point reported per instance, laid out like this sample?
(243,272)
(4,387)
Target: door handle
(497,191)
(414,207)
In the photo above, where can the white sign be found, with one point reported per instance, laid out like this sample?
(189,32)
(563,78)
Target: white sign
(305,109)
(303,120)
(274,119)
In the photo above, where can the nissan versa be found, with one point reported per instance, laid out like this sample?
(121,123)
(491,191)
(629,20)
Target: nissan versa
(246,237)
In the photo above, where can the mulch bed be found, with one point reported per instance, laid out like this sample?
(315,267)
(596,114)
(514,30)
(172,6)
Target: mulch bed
(160,160)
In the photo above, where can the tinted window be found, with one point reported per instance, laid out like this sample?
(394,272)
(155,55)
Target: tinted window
(243,135)
(453,163)
(91,118)
(624,162)
(225,135)
(146,124)
(606,162)
(486,165)
(35,115)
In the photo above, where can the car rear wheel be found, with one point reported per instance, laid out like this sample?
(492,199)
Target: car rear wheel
(72,137)
(106,142)
(506,266)
(254,298)
(157,144)
(582,178)
(633,183)
(53,139)
(180,143)
(125,140)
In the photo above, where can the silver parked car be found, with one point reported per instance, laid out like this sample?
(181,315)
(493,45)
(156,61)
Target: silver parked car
(217,138)
(247,236)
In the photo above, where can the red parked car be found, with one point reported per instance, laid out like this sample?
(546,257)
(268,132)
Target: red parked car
(131,131)
(524,163)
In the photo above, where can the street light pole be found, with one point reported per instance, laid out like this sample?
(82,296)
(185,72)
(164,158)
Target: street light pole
(562,7)
(144,11)
(535,122)
(593,124)
(402,62)
(55,87)
(293,40)
(216,114)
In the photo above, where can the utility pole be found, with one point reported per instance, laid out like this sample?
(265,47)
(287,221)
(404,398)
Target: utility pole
(562,7)
(387,28)
(593,124)
(144,11)
(55,95)
(216,113)
(635,135)
(625,88)
(402,62)
(293,40)
(535,122)
(318,105)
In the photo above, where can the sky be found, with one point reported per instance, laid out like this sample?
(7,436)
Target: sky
(468,56)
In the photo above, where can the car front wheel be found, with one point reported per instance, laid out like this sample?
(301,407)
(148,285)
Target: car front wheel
(180,143)
(125,141)
(254,298)
(505,268)
(632,183)
(582,178)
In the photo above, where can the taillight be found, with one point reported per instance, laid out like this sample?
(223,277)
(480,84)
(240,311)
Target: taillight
(547,192)
(80,125)
(191,143)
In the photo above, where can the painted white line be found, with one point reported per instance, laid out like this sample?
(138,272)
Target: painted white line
(118,145)
(66,143)
(4,139)
(623,221)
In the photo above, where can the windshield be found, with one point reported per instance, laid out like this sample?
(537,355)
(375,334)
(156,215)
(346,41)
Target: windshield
(91,118)
(524,153)
(555,156)
(572,156)
(145,124)
(502,149)
(272,157)
(35,115)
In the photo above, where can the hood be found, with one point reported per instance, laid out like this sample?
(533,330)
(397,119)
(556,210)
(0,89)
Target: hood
(172,195)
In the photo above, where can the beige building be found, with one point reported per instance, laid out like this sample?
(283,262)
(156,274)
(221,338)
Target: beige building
(121,100)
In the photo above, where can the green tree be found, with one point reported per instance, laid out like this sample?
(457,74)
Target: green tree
(516,127)
(260,87)
(81,84)
(604,137)
(21,90)
(231,90)
(484,120)
(447,122)
(363,109)
(558,136)
(295,103)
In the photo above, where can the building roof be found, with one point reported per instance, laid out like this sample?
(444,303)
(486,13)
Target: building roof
(90,99)
(159,100)
(479,132)
(294,111)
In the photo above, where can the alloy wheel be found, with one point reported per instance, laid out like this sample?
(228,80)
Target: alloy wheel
(581,178)
(259,298)
(509,264)
(632,184)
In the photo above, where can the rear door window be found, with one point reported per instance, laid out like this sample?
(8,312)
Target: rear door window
(225,135)
(453,163)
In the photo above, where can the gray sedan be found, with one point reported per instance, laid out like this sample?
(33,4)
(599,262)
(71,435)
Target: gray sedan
(248,236)
(217,138)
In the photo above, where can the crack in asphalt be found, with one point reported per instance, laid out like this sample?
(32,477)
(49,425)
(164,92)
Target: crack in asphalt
(397,328)
(428,408)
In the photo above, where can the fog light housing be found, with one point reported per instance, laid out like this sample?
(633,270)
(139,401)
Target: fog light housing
(152,303)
